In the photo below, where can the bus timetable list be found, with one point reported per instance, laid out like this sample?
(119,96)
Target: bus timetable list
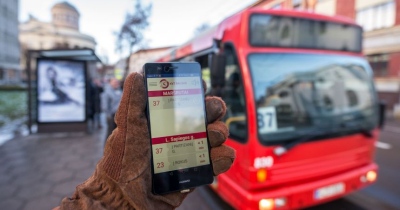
(179,152)
(179,138)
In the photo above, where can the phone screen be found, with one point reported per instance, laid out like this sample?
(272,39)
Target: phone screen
(177,122)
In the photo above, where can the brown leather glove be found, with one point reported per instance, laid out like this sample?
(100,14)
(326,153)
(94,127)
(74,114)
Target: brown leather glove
(122,179)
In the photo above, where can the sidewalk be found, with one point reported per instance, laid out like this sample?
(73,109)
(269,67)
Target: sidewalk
(37,171)
(392,123)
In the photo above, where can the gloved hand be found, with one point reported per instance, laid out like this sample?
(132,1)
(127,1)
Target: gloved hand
(122,179)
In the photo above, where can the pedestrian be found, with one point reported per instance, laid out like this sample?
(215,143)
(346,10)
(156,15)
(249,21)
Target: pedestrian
(97,91)
(111,99)
(94,103)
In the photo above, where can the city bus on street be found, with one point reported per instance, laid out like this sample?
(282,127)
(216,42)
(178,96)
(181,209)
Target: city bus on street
(302,110)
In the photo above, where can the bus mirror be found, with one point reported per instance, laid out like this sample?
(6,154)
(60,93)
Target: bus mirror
(382,113)
(218,70)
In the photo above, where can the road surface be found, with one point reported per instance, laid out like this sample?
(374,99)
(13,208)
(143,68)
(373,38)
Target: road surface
(384,194)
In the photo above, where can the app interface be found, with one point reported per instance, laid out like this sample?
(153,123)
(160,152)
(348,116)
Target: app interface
(178,131)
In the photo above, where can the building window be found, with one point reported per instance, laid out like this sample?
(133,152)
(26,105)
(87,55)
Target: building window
(377,17)
(11,74)
(205,69)
(379,64)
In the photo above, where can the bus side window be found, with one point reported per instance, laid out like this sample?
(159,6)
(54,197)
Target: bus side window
(233,95)
(205,71)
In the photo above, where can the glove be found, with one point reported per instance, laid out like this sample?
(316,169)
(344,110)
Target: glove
(122,178)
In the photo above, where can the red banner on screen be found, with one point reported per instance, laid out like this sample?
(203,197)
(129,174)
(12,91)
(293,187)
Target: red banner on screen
(178,138)
(158,93)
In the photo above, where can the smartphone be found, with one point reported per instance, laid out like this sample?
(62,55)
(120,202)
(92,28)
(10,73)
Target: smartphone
(180,150)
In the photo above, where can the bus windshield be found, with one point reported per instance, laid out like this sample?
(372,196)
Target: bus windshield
(298,94)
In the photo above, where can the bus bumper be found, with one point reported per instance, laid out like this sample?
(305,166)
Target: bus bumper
(298,196)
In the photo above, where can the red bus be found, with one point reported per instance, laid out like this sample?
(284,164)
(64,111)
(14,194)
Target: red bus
(302,110)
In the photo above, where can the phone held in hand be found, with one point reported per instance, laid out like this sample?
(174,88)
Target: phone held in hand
(180,156)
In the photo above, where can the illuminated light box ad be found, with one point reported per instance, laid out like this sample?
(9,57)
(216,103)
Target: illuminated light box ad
(61,91)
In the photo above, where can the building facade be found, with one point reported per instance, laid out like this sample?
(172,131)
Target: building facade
(10,71)
(380,20)
(140,57)
(61,33)
(136,61)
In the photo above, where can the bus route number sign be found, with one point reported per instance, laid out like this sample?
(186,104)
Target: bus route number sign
(266,119)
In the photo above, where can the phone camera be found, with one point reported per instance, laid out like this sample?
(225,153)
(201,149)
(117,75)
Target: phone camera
(167,68)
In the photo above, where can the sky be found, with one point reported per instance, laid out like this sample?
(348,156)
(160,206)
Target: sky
(172,22)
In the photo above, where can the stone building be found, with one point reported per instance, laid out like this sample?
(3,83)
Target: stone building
(61,33)
(10,71)
(137,60)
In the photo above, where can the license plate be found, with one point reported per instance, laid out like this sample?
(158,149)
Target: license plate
(329,191)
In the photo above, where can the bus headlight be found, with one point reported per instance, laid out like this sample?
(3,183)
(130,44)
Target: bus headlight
(269,203)
(371,176)
(266,204)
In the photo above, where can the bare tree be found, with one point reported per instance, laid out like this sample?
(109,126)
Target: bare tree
(130,36)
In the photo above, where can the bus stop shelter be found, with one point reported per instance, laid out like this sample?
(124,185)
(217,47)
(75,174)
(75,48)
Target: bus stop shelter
(59,83)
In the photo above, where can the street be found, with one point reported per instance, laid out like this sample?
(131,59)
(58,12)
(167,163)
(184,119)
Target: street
(303,84)
(38,170)
(384,194)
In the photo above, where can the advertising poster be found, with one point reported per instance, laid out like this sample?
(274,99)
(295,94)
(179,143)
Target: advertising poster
(61,91)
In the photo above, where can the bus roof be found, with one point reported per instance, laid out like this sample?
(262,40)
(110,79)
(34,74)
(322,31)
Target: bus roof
(204,41)
(304,14)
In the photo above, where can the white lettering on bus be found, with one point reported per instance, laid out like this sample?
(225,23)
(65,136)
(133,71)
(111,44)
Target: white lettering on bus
(263,162)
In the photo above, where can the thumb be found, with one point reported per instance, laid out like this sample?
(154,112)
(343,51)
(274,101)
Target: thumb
(131,129)
(133,101)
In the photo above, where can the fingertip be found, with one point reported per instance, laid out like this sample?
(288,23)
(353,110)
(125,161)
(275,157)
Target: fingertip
(217,133)
(215,108)
(222,158)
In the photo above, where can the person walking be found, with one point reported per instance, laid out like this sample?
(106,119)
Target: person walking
(98,90)
(94,104)
(111,99)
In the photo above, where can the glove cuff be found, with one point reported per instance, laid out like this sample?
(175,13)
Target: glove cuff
(96,193)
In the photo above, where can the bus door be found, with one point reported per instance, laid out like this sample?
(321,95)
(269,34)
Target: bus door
(233,93)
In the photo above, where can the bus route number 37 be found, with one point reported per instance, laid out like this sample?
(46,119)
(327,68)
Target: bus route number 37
(266,117)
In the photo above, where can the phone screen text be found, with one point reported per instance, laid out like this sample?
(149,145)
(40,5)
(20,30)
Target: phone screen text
(177,121)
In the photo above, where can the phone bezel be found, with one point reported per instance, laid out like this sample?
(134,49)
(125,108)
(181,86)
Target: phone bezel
(167,182)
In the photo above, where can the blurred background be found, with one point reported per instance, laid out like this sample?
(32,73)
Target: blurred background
(53,123)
